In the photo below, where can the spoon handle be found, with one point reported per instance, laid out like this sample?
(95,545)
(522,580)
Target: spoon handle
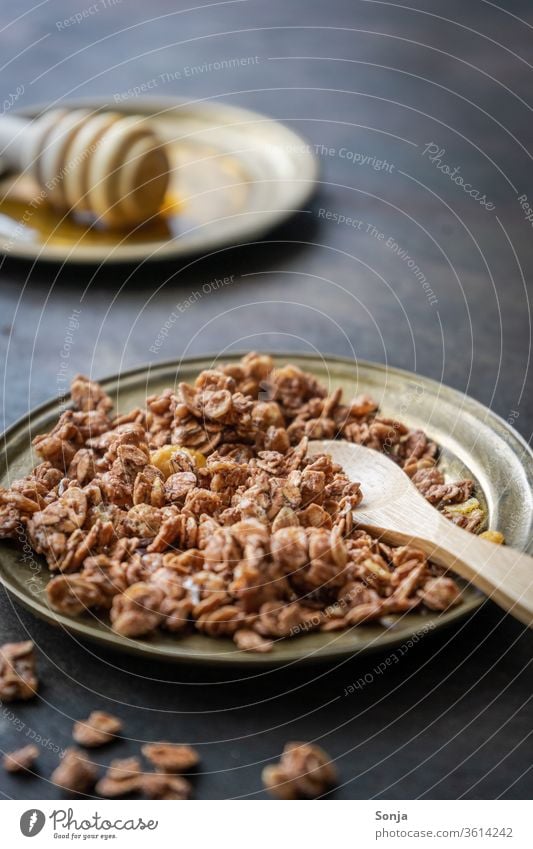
(504,574)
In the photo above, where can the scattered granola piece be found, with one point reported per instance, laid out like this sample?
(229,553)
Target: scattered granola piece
(75,772)
(160,786)
(251,641)
(21,760)
(124,776)
(137,611)
(100,728)
(18,678)
(88,395)
(171,757)
(304,772)
(440,593)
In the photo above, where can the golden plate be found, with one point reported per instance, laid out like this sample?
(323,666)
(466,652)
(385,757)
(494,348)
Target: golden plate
(474,441)
(235,175)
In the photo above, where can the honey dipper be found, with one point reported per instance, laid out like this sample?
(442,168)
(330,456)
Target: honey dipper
(110,165)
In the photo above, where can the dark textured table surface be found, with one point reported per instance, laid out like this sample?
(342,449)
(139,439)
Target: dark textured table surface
(452,719)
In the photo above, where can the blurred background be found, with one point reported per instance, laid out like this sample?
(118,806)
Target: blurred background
(415,251)
(441,291)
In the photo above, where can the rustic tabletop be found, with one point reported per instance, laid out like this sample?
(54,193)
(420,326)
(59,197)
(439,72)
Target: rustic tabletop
(415,251)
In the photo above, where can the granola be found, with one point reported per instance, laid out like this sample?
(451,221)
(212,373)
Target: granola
(123,777)
(100,728)
(22,760)
(75,772)
(203,511)
(303,772)
(170,757)
(18,678)
(161,786)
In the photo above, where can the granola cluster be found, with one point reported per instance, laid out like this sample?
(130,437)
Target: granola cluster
(75,772)
(303,772)
(124,776)
(22,760)
(18,677)
(100,728)
(169,760)
(203,511)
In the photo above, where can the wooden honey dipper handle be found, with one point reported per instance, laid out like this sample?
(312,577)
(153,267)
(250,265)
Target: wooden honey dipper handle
(104,163)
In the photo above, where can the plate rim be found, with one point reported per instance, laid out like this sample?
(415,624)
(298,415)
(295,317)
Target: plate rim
(163,251)
(244,660)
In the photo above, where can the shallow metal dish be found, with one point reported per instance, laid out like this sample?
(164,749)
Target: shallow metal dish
(474,441)
(235,175)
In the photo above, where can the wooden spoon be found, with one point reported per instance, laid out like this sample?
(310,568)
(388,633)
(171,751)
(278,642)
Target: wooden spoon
(393,508)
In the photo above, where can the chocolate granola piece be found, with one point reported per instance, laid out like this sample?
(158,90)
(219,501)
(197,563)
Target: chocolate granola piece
(279,619)
(123,768)
(18,677)
(136,612)
(495,537)
(171,757)
(21,760)
(162,786)
(75,772)
(440,593)
(304,772)
(73,594)
(124,776)
(217,474)
(246,640)
(88,395)
(100,728)
(222,622)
